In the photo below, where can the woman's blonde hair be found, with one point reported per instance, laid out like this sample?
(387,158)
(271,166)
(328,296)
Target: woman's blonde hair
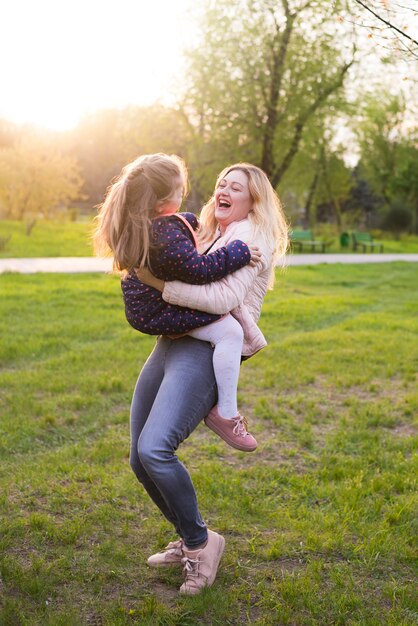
(267,214)
(124,218)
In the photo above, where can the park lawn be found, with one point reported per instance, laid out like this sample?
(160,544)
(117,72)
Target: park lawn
(49,238)
(66,239)
(320,522)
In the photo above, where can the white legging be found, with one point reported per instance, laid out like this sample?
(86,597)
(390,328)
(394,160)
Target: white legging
(227,337)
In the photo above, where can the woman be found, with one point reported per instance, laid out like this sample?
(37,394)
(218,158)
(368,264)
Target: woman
(176,388)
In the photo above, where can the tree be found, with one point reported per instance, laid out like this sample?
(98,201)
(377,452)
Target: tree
(319,176)
(388,22)
(107,140)
(36,180)
(363,203)
(378,133)
(398,219)
(262,73)
(404,185)
(389,154)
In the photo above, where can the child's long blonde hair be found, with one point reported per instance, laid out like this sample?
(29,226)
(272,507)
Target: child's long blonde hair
(124,218)
(267,215)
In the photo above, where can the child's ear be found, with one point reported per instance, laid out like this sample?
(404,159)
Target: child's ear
(159,207)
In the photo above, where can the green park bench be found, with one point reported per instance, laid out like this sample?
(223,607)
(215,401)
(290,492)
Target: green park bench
(365,242)
(302,238)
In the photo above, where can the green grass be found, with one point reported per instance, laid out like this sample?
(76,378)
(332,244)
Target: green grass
(48,239)
(60,238)
(320,521)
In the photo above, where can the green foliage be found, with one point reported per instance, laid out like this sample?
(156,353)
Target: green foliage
(281,84)
(36,179)
(390,156)
(320,181)
(398,219)
(320,522)
(260,79)
(107,140)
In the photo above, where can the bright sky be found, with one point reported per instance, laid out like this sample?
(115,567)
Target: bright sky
(60,60)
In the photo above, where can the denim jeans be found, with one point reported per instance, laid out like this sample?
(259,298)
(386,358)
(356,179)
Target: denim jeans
(175,390)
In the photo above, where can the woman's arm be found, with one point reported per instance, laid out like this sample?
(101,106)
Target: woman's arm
(219,297)
(148,278)
(225,294)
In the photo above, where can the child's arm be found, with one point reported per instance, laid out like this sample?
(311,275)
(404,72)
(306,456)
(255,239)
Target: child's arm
(174,256)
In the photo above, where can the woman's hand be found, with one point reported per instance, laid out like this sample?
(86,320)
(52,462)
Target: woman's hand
(149,279)
(255,255)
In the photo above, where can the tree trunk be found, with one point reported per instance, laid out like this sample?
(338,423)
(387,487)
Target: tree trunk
(279,56)
(281,169)
(416,218)
(29,227)
(308,222)
(334,201)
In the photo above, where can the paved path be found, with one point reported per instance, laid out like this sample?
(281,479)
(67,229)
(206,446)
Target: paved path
(74,265)
(316,259)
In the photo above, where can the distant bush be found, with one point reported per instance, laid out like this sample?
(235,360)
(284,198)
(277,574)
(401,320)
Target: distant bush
(325,230)
(377,233)
(397,220)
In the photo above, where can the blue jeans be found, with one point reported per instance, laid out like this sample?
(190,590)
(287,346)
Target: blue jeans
(175,390)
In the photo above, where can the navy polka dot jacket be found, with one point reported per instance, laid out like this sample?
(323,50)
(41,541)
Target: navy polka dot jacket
(173,256)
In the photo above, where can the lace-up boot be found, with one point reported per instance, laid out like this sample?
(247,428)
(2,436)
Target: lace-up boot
(200,566)
(233,431)
(171,555)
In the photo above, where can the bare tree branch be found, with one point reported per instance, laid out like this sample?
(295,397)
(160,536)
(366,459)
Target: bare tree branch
(389,24)
(280,170)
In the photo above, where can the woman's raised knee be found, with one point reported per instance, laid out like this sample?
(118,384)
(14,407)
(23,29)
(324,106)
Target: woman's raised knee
(136,466)
(151,455)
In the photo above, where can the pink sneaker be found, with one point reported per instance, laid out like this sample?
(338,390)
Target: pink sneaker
(171,555)
(201,566)
(233,431)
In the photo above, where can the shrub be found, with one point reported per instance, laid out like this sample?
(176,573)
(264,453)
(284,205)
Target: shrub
(397,220)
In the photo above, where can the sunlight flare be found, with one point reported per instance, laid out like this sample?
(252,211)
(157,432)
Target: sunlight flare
(68,60)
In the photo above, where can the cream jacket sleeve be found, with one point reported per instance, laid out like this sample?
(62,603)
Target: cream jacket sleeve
(218,297)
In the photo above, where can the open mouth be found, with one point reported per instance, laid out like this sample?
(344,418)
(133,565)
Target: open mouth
(223,204)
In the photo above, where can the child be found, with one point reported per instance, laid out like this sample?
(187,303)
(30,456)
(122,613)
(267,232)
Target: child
(139,223)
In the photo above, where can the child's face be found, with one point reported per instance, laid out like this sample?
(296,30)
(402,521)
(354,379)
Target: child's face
(172,205)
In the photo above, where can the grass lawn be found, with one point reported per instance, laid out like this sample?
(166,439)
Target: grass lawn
(60,238)
(48,239)
(320,521)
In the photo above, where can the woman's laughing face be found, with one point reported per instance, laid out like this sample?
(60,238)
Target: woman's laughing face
(233,200)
